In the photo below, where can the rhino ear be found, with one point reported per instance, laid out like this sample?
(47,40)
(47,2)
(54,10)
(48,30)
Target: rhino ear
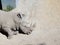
(19,15)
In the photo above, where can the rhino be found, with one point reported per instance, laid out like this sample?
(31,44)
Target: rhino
(13,20)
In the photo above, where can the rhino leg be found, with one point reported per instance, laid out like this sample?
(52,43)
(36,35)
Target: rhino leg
(9,31)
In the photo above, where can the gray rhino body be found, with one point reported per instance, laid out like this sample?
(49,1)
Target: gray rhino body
(10,20)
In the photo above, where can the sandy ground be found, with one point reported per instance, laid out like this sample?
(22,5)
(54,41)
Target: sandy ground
(47,31)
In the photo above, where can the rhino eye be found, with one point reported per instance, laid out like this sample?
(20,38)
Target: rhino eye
(19,15)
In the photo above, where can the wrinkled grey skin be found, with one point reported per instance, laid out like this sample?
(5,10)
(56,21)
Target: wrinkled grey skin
(9,21)
(13,20)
